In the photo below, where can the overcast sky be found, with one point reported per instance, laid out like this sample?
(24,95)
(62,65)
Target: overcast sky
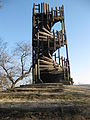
(16,26)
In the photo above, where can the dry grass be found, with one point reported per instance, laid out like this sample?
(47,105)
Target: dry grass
(70,94)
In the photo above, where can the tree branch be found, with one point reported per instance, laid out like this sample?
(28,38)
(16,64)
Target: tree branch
(24,75)
(22,69)
(10,78)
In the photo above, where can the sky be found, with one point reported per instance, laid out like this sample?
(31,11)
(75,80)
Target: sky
(16,26)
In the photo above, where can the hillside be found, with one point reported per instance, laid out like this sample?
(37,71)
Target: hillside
(46,101)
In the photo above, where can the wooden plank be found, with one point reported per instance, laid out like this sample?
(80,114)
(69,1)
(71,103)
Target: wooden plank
(59,56)
(46,62)
(64,74)
(46,31)
(55,56)
(69,70)
(66,63)
(62,35)
(59,46)
(48,43)
(43,7)
(39,8)
(54,40)
(43,37)
(58,36)
(56,12)
(50,55)
(34,9)
(46,8)
(57,68)
(33,16)
(47,58)
(55,63)
(62,60)
(38,70)
(46,34)
(46,66)
(48,27)
(33,75)
(48,12)
(66,43)
(48,69)
(52,13)
(35,72)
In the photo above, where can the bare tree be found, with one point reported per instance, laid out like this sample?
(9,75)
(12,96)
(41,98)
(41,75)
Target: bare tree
(4,83)
(17,65)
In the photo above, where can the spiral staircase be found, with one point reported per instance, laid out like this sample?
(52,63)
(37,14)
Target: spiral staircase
(48,64)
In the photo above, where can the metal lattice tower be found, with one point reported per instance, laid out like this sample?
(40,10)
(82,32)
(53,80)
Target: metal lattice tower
(45,43)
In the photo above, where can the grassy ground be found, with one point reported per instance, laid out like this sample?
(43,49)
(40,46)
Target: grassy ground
(69,94)
(46,103)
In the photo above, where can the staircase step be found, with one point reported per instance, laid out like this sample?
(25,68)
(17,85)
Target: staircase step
(38,89)
(43,85)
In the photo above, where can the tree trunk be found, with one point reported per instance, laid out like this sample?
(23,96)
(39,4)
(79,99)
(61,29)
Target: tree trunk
(13,85)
